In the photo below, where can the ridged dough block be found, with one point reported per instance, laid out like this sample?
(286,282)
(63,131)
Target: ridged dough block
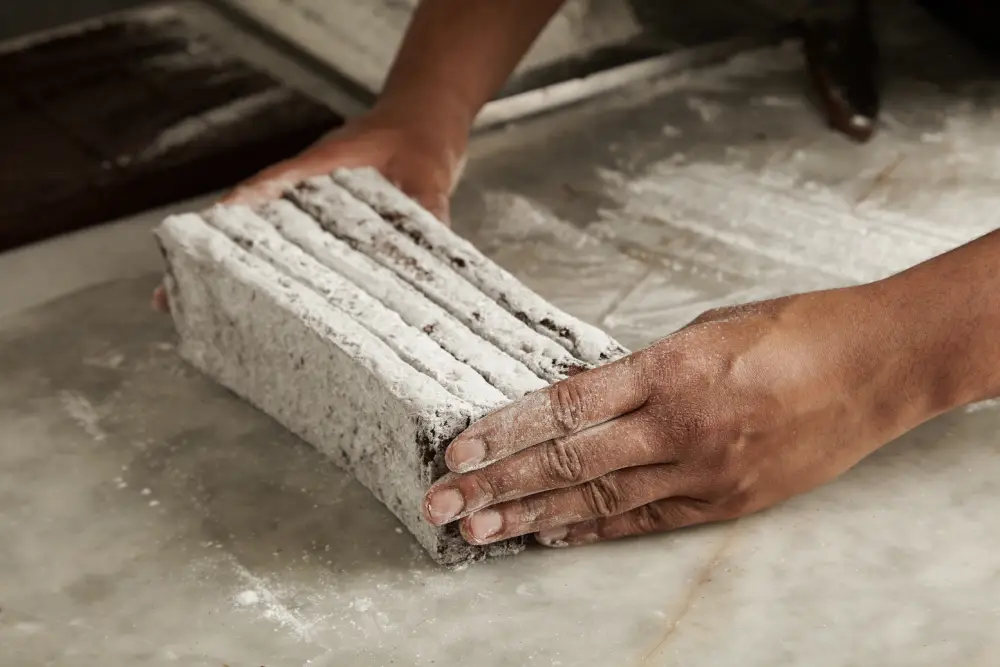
(367,328)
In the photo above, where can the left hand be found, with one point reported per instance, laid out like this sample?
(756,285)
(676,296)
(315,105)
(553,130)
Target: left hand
(414,146)
(740,410)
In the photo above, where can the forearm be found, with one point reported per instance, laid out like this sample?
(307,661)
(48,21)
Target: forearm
(945,315)
(457,53)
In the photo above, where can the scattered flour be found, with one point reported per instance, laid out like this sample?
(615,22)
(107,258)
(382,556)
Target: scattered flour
(819,230)
(28,628)
(671,131)
(83,413)
(155,15)
(707,110)
(361,604)
(268,598)
(190,129)
(779,102)
(247,598)
(982,405)
(111,361)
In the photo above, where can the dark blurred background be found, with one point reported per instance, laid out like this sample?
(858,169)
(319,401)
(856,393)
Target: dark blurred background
(18,17)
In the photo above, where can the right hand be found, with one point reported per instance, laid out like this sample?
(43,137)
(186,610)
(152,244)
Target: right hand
(742,409)
(419,153)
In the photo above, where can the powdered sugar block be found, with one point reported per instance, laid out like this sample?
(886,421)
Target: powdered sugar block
(347,217)
(359,340)
(260,238)
(508,375)
(583,340)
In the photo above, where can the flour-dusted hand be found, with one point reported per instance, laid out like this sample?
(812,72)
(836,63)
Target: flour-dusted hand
(741,409)
(421,156)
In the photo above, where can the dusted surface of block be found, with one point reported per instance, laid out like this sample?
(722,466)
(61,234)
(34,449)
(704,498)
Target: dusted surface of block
(334,321)
(586,342)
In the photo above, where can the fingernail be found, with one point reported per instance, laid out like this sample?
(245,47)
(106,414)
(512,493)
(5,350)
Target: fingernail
(465,454)
(444,505)
(484,525)
(553,537)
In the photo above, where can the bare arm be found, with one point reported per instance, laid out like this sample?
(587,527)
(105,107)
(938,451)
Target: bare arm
(946,314)
(457,53)
(745,407)
(454,57)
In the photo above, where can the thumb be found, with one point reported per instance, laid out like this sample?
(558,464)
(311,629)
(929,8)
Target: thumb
(429,187)
(318,160)
(271,183)
(437,203)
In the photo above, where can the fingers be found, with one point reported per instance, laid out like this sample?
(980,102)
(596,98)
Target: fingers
(429,187)
(319,159)
(656,517)
(632,440)
(274,181)
(610,495)
(565,408)
(435,202)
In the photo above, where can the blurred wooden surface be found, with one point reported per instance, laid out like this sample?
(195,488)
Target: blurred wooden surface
(123,114)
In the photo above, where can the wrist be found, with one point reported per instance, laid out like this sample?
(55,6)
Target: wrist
(427,109)
(935,339)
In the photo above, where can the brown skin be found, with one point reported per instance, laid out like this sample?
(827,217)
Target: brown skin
(740,410)
(447,68)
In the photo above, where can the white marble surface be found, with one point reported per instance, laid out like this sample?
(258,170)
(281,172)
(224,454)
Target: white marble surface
(148,517)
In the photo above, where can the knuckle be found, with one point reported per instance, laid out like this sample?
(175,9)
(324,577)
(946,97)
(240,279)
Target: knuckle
(562,463)
(736,504)
(725,458)
(731,466)
(648,518)
(603,497)
(667,515)
(696,428)
(566,401)
(485,487)
(735,493)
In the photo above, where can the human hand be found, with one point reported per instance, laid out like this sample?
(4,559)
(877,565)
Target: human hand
(743,408)
(420,153)
(421,156)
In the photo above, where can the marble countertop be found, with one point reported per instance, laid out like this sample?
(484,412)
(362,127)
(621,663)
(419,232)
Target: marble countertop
(149,517)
